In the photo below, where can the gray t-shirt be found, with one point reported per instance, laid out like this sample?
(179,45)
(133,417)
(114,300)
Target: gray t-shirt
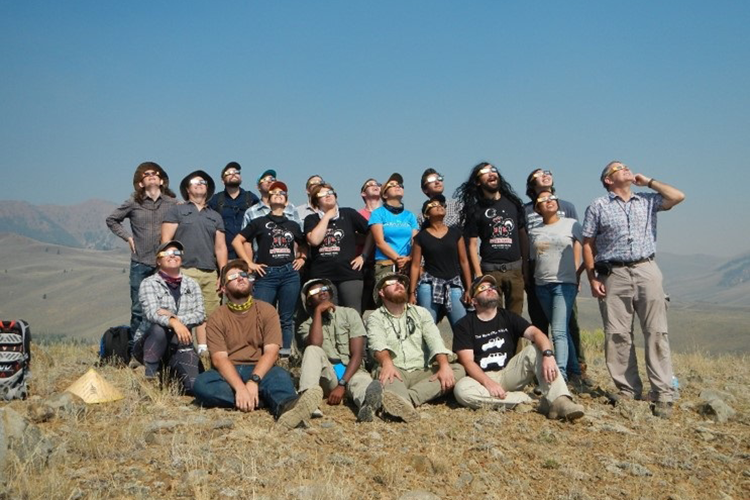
(196,229)
(533,219)
(552,248)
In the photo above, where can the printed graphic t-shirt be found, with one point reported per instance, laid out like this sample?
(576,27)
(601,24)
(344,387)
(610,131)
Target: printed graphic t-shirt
(275,236)
(332,258)
(493,341)
(496,223)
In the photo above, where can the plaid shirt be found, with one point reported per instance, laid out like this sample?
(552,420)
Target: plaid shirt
(623,231)
(452,214)
(145,223)
(154,294)
(260,209)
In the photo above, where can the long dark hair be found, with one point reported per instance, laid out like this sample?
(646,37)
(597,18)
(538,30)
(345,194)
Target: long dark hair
(140,192)
(470,192)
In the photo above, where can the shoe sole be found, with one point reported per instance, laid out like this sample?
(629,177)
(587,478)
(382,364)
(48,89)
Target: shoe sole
(307,404)
(365,414)
(396,406)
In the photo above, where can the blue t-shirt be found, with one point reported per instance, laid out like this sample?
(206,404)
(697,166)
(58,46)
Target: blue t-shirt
(397,230)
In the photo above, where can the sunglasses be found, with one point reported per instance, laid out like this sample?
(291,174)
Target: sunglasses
(392,185)
(616,168)
(391,282)
(316,291)
(541,173)
(278,192)
(170,253)
(328,192)
(198,182)
(433,204)
(268,178)
(486,170)
(543,199)
(150,173)
(315,183)
(433,178)
(231,171)
(237,275)
(373,183)
(483,287)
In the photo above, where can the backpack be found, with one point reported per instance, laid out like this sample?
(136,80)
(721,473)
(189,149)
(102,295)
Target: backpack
(221,200)
(15,359)
(116,345)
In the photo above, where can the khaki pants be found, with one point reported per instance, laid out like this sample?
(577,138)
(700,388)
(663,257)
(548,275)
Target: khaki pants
(637,290)
(207,283)
(511,289)
(416,385)
(318,370)
(519,372)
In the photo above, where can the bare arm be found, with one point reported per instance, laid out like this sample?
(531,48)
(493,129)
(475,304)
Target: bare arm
(474,257)
(220,249)
(589,252)
(416,259)
(540,340)
(672,196)
(377,233)
(167,231)
(315,237)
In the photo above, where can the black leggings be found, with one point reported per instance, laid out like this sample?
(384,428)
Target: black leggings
(159,348)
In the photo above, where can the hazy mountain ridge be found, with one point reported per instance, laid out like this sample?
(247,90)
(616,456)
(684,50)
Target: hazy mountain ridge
(78,226)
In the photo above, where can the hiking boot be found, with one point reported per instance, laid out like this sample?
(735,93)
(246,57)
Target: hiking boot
(662,409)
(563,408)
(293,412)
(396,406)
(372,403)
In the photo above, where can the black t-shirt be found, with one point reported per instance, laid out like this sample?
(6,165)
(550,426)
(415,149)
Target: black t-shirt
(493,342)
(332,258)
(496,223)
(440,254)
(275,237)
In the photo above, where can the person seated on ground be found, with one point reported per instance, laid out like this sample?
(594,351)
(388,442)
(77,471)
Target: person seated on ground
(406,342)
(172,306)
(485,341)
(244,337)
(334,339)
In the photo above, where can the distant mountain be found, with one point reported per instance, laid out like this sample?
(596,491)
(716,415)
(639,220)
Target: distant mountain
(78,226)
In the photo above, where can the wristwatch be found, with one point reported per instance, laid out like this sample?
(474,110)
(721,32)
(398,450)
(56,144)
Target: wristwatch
(255,378)
(547,353)
(342,382)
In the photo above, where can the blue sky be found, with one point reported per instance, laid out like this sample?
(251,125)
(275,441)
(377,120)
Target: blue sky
(354,89)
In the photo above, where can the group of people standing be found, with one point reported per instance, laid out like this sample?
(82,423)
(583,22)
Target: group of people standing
(472,259)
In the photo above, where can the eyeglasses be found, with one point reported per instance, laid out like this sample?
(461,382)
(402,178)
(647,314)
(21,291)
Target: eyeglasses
(277,192)
(238,275)
(543,199)
(433,178)
(268,178)
(232,171)
(616,168)
(327,192)
(373,183)
(150,173)
(540,173)
(483,287)
(170,253)
(316,291)
(393,184)
(198,182)
(487,170)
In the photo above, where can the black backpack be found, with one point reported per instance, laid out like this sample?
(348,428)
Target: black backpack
(15,359)
(221,200)
(116,346)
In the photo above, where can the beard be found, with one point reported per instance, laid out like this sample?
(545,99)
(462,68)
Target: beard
(239,296)
(491,189)
(399,297)
(233,184)
(487,302)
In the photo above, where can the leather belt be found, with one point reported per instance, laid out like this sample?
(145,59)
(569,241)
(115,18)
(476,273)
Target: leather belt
(633,263)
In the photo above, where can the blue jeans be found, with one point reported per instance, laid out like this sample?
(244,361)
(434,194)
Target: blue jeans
(424,299)
(276,388)
(557,301)
(280,287)
(138,273)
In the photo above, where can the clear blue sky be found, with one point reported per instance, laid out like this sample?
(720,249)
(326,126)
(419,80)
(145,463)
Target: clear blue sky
(352,89)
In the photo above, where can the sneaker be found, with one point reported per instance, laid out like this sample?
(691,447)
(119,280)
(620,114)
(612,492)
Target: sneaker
(662,410)
(294,412)
(563,408)
(372,403)
(396,406)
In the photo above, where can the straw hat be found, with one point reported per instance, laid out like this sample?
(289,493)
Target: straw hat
(92,388)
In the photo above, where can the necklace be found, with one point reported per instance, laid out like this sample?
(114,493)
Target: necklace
(240,307)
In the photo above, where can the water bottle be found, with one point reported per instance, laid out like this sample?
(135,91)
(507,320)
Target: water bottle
(675,388)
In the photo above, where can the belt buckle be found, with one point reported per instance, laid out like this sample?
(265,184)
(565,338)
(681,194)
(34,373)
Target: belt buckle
(503,268)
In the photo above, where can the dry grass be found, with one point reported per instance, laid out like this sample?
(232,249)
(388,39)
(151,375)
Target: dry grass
(156,444)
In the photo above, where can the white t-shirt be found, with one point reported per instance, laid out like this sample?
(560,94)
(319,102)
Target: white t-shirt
(552,248)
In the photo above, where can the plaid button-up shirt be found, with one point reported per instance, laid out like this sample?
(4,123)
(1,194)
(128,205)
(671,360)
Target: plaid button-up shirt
(623,231)
(154,294)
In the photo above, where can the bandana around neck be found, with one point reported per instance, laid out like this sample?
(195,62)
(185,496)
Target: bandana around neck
(241,307)
(170,281)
